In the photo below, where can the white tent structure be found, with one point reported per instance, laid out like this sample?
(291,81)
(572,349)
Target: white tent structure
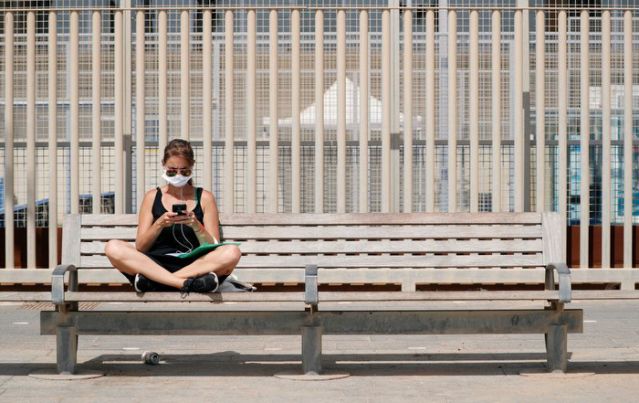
(308,115)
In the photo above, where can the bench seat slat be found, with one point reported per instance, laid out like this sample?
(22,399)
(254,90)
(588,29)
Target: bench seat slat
(109,275)
(359,296)
(604,294)
(370,261)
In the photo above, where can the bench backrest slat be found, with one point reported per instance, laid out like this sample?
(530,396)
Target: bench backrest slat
(371,246)
(268,232)
(339,219)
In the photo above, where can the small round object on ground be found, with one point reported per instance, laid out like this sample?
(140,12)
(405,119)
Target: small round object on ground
(151,358)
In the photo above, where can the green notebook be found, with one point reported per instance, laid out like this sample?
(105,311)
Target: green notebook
(204,248)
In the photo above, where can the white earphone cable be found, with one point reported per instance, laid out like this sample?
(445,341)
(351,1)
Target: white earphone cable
(190,247)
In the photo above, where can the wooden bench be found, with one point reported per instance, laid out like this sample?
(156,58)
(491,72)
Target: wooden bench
(334,248)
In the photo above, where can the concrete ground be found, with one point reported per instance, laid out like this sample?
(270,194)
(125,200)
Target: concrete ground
(479,368)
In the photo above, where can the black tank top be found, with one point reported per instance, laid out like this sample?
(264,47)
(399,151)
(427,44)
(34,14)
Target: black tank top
(171,239)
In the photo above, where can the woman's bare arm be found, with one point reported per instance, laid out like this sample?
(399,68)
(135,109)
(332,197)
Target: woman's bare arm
(209,230)
(147,230)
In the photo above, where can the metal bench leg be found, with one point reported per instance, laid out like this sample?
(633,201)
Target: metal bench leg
(557,348)
(312,349)
(66,349)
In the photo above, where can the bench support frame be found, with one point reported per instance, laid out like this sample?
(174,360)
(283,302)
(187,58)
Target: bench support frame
(66,331)
(66,349)
(554,324)
(312,349)
(557,348)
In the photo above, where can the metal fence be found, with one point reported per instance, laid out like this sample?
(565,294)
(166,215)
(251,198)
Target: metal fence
(324,109)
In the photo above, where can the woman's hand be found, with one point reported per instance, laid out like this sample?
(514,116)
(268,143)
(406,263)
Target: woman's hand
(166,220)
(197,227)
(187,219)
(170,218)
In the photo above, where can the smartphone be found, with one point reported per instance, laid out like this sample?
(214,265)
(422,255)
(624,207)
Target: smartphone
(179,208)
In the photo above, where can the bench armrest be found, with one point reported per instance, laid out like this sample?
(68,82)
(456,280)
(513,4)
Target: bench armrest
(57,282)
(563,274)
(311,296)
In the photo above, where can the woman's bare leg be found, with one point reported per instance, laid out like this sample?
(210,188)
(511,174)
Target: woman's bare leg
(221,261)
(129,260)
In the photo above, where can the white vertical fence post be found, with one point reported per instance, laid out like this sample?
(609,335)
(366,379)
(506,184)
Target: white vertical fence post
(473,119)
(296,174)
(562,129)
(395,105)
(96,113)
(452,111)
(496,110)
(31,136)
(207,99)
(408,111)
(229,137)
(139,106)
(627,141)
(526,101)
(128,22)
(341,111)
(363,111)
(319,116)
(119,113)
(185,72)
(518,113)
(540,108)
(8,141)
(251,111)
(584,134)
(74,109)
(272,177)
(53,139)
(605,139)
(430,111)
(163,128)
(386,112)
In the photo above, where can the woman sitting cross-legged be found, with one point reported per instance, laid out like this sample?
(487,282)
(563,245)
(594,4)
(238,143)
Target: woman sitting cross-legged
(152,264)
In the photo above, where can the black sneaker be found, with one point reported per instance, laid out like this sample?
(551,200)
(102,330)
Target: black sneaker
(143,284)
(203,284)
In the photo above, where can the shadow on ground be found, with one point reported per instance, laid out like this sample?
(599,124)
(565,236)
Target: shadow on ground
(231,363)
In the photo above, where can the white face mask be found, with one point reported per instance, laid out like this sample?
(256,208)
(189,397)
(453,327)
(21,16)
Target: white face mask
(178,180)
